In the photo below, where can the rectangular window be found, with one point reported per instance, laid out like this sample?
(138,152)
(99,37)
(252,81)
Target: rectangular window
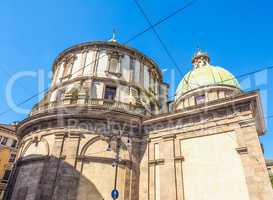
(200,99)
(4,141)
(110,93)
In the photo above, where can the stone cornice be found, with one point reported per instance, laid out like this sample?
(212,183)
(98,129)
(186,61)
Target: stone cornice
(94,119)
(199,109)
(7,129)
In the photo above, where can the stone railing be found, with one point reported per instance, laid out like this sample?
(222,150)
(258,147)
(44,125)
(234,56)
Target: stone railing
(96,103)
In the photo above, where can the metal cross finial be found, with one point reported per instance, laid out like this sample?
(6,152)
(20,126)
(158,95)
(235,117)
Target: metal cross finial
(198,50)
(113,39)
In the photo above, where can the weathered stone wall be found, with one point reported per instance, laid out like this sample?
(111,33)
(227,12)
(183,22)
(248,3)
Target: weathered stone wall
(197,154)
(205,154)
(68,164)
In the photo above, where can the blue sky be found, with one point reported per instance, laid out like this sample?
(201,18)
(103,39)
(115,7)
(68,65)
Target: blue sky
(236,34)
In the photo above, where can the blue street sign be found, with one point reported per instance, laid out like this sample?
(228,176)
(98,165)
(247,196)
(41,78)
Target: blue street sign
(114,194)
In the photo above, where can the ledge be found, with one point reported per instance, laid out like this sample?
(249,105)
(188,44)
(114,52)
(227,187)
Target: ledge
(242,150)
(117,74)
(179,158)
(32,159)
(156,162)
(103,160)
(168,137)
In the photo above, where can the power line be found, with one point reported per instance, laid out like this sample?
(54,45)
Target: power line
(151,27)
(24,101)
(163,19)
(5,71)
(158,36)
(129,40)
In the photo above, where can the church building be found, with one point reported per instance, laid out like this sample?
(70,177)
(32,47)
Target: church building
(105,123)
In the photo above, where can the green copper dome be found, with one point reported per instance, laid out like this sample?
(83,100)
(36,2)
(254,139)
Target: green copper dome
(205,74)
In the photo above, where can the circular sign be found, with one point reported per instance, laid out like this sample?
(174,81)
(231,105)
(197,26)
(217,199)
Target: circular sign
(114,194)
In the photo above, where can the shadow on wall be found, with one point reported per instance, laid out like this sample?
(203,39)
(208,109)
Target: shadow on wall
(47,177)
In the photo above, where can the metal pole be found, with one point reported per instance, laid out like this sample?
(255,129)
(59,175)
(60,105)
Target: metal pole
(117,163)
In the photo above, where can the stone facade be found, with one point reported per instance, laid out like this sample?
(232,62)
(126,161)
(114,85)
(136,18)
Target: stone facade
(69,142)
(8,151)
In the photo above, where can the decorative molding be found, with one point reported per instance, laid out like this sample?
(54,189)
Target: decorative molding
(88,144)
(124,162)
(179,158)
(198,119)
(168,137)
(247,123)
(156,162)
(242,150)
(62,120)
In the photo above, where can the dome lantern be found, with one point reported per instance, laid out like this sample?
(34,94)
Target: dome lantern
(200,59)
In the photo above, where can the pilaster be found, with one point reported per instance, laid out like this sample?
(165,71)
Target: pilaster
(252,158)
(168,189)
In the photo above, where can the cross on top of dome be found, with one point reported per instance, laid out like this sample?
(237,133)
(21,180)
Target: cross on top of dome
(113,39)
(200,59)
